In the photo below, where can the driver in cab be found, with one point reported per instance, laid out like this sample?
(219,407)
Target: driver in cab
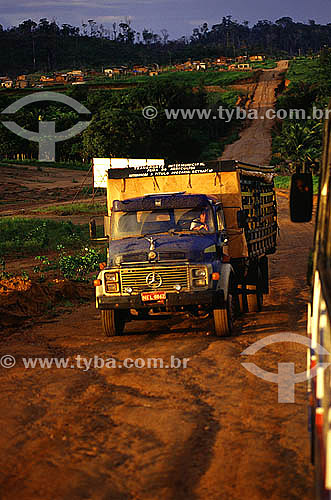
(201,223)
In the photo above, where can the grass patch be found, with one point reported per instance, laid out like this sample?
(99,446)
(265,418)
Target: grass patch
(22,237)
(194,78)
(304,70)
(74,209)
(264,65)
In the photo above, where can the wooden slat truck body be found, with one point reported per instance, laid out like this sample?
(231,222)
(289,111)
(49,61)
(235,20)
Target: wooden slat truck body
(187,238)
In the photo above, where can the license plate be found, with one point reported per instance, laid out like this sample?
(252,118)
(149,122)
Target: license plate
(153,296)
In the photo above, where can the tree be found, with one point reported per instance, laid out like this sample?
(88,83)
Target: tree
(301,142)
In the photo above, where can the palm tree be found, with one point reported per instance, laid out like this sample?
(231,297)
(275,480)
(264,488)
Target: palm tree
(302,142)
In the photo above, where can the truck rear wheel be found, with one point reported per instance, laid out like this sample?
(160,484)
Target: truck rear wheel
(112,322)
(254,300)
(223,319)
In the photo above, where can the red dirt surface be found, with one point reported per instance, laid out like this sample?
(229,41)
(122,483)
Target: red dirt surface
(23,187)
(210,431)
(23,301)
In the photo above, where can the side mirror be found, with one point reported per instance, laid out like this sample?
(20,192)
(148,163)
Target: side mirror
(224,238)
(93,229)
(107,225)
(242,219)
(301,198)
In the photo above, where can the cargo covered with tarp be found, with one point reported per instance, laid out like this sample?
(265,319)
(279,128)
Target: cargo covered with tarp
(238,186)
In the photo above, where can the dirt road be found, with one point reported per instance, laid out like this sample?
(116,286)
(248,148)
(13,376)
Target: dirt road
(211,430)
(255,140)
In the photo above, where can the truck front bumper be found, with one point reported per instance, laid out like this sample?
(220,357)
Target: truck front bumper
(207,298)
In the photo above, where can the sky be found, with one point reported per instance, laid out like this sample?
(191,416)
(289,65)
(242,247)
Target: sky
(178,17)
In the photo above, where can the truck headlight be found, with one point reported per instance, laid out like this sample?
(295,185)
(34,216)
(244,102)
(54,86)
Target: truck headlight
(112,287)
(199,273)
(111,277)
(111,282)
(199,277)
(199,282)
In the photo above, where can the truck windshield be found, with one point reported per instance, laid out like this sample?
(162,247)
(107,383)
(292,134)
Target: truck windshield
(131,224)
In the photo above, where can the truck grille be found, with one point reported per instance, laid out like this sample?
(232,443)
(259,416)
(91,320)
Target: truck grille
(169,276)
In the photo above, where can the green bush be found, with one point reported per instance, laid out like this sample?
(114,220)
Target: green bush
(77,267)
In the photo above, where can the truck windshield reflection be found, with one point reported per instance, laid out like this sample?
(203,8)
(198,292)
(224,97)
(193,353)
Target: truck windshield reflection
(133,224)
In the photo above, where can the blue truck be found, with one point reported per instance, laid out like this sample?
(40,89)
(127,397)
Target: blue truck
(187,238)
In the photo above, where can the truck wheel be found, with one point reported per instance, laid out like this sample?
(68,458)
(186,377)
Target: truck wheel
(242,304)
(112,322)
(254,300)
(223,319)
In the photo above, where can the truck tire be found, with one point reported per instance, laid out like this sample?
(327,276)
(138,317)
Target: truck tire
(242,304)
(112,322)
(223,319)
(254,300)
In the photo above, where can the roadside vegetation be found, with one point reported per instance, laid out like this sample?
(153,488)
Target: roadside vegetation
(297,142)
(71,266)
(23,236)
(97,208)
(195,78)
(73,256)
(118,127)
(284,182)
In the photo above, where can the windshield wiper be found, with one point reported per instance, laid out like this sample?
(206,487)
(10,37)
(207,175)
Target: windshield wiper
(150,234)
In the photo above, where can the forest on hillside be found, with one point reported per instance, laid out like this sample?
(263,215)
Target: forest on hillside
(46,46)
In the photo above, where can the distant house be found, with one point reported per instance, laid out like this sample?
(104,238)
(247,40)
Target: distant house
(185,66)
(46,79)
(110,72)
(75,73)
(241,59)
(199,65)
(153,73)
(6,82)
(22,84)
(244,67)
(22,77)
(221,61)
(232,67)
(61,78)
(140,70)
(257,58)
